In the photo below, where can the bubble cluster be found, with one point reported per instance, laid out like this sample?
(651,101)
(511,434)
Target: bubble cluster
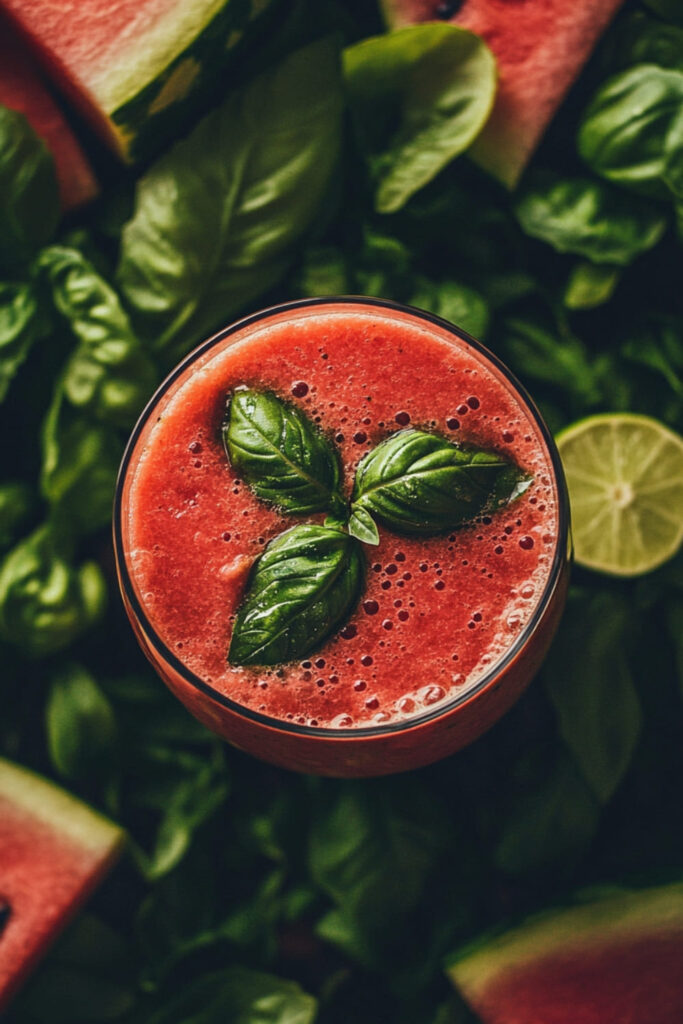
(436,613)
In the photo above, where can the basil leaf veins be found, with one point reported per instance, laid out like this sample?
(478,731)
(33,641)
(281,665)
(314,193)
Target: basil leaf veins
(420,483)
(301,589)
(307,581)
(281,454)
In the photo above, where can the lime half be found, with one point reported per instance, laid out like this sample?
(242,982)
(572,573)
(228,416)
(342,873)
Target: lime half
(625,480)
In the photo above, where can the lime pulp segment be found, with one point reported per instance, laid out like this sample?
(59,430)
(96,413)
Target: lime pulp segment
(625,479)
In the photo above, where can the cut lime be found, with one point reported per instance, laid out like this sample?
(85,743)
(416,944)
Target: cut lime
(625,480)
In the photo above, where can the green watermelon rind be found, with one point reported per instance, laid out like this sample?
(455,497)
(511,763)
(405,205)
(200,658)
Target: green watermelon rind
(51,819)
(578,929)
(67,815)
(140,132)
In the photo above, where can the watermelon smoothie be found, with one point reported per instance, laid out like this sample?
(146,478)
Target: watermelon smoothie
(448,630)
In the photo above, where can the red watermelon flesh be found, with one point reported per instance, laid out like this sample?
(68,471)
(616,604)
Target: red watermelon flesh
(22,89)
(132,67)
(540,47)
(53,852)
(616,961)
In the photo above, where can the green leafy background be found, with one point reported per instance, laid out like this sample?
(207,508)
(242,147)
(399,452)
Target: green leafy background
(250,894)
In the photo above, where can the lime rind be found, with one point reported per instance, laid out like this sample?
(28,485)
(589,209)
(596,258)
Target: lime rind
(625,480)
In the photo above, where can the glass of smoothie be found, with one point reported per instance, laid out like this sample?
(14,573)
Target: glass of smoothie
(341,532)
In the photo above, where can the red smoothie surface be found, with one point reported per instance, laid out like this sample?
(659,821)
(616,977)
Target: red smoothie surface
(436,614)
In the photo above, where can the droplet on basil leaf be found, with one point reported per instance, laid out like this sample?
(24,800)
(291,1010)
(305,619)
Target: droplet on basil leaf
(416,482)
(281,454)
(300,591)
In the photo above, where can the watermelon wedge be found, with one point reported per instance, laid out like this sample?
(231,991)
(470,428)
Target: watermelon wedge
(22,89)
(135,68)
(540,47)
(618,960)
(53,852)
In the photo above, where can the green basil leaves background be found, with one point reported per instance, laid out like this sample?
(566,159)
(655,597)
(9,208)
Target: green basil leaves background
(29,199)
(308,580)
(632,131)
(21,325)
(418,97)
(589,218)
(108,374)
(244,186)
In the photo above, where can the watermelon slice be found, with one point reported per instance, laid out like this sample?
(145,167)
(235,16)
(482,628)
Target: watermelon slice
(53,852)
(618,960)
(22,89)
(540,47)
(135,68)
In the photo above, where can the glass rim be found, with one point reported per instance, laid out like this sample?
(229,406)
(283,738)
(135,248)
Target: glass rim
(360,732)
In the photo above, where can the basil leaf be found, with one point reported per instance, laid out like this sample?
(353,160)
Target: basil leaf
(238,995)
(365,837)
(109,374)
(421,483)
(281,454)
(565,365)
(45,601)
(89,979)
(323,271)
(381,265)
(419,96)
(645,40)
(549,816)
(29,198)
(589,677)
(590,284)
(588,218)
(187,805)
(301,589)
(218,217)
(455,302)
(657,346)
(80,725)
(17,503)
(632,131)
(362,526)
(21,324)
(79,468)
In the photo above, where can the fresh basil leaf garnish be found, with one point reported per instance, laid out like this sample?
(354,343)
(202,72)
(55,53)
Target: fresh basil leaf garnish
(307,581)
(421,483)
(281,454)
(300,590)
(363,526)
(335,522)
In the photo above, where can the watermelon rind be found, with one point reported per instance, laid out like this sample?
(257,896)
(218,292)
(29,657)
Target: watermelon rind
(23,90)
(150,78)
(576,931)
(179,76)
(53,806)
(54,850)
